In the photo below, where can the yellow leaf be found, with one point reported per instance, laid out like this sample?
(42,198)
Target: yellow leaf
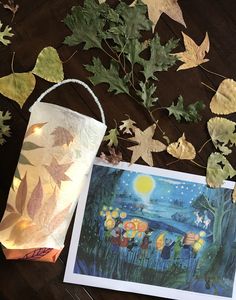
(169,7)
(49,66)
(193,55)
(146,145)
(234,194)
(17,86)
(182,149)
(224,100)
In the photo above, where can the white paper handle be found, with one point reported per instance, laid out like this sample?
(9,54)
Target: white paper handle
(78,82)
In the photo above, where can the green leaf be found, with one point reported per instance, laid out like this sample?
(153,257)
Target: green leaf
(147,90)
(222,132)
(112,137)
(189,114)
(218,170)
(4,34)
(161,58)
(86,25)
(133,50)
(110,76)
(30,146)
(24,160)
(4,129)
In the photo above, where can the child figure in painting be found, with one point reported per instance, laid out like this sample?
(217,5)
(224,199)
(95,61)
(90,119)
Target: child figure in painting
(145,247)
(166,253)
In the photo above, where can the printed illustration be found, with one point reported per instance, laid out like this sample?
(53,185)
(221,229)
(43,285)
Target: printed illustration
(159,231)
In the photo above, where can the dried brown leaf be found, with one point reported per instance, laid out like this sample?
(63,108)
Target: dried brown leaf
(21,195)
(114,158)
(10,208)
(47,210)
(128,126)
(35,200)
(9,220)
(62,136)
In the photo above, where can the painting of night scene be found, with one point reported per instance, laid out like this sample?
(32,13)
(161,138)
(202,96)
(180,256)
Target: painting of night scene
(159,231)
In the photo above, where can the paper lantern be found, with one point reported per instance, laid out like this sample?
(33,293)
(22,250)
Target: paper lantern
(128,225)
(58,150)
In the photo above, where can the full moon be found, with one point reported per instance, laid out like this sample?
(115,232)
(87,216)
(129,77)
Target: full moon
(144,184)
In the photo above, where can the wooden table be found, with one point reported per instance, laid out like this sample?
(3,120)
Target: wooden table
(37,25)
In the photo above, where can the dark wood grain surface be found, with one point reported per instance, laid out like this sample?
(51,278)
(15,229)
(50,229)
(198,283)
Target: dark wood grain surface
(37,25)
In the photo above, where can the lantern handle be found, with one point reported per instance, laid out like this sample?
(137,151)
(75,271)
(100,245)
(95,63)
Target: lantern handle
(78,82)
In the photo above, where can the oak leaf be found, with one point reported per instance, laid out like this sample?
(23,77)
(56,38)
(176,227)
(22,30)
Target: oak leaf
(218,170)
(222,132)
(128,126)
(6,33)
(158,7)
(224,100)
(112,158)
(4,129)
(62,136)
(112,137)
(182,149)
(146,145)
(193,55)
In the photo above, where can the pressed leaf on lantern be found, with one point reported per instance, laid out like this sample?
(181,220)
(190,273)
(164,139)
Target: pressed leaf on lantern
(34,128)
(10,208)
(59,218)
(49,66)
(27,146)
(112,137)
(218,170)
(57,171)
(9,220)
(21,195)
(4,129)
(146,145)
(62,136)
(47,209)
(5,34)
(158,7)
(128,126)
(193,55)
(182,149)
(35,200)
(224,100)
(223,135)
(17,86)
(112,158)
(24,160)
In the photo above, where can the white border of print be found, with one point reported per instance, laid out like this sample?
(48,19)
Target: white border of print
(126,286)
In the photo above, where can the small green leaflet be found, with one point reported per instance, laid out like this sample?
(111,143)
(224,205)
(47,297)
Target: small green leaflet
(112,137)
(147,90)
(6,33)
(189,113)
(218,170)
(4,129)
(110,76)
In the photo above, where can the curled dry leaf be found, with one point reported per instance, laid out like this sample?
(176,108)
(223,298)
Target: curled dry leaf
(193,55)
(223,135)
(182,149)
(218,170)
(146,145)
(128,126)
(224,100)
(114,158)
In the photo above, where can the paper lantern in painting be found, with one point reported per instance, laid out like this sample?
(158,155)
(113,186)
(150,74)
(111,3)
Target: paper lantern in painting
(57,152)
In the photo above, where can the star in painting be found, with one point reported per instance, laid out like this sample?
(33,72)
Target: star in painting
(57,171)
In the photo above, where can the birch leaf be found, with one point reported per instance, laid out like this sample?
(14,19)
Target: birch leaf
(21,195)
(34,128)
(158,7)
(17,86)
(9,221)
(35,200)
(193,55)
(146,145)
(224,100)
(59,218)
(112,137)
(222,132)
(218,170)
(49,66)
(128,126)
(234,194)
(62,136)
(182,149)
(5,34)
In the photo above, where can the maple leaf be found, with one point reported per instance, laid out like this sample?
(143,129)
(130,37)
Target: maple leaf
(158,7)
(218,170)
(112,137)
(147,90)
(224,100)
(222,132)
(146,145)
(57,171)
(113,158)
(189,114)
(182,149)
(128,126)
(193,55)
(62,136)
(4,34)
(110,76)
(4,129)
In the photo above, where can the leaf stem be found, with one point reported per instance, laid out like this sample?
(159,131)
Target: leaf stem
(204,145)
(172,162)
(12,62)
(158,108)
(197,164)
(208,87)
(70,57)
(211,72)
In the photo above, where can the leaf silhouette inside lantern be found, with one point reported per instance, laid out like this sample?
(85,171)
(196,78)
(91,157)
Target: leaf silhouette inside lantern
(24,160)
(59,218)
(9,220)
(35,200)
(34,128)
(21,195)
(10,208)
(62,136)
(47,209)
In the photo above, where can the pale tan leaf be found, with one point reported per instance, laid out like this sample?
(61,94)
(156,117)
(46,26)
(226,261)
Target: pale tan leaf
(9,221)
(35,200)
(59,218)
(224,100)
(34,128)
(62,136)
(193,55)
(146,145)
(128,126)
(47,209)
(21,195)
(182,149)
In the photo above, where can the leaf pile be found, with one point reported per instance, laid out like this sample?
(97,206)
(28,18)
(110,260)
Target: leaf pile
(4,129)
